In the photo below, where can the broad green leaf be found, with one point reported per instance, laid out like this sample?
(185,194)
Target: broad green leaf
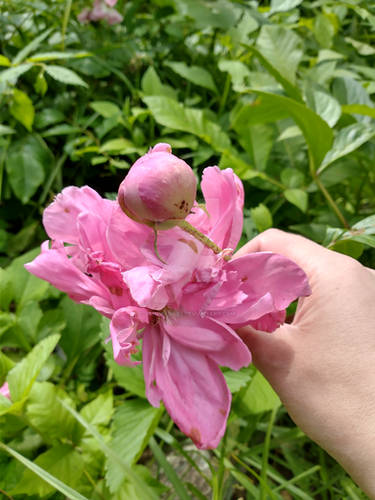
(34,44)
(326,106)
(259,111)
(82,328)
(283,5)
(134,423)
(259,396)
(349,91)
(25,287)
(152,86)
(5,404)
(27,162)
(28,317)
(22,109)
(297,197)
(223,16)
(239,72)
(257,140)
(40,84)
(48,416)
(346,141)
(23,375)
(49,56)
(364,49)
(64,75)
(316,131)
(99,411)
(129,377)
(292,178)
(195,74)
(262,217)
(63,129)
(120,146)
(282,48)
(105,108)
(62,463)
(236,380)
(174,115)
(13,73)
(48,116)
(367,224)
(6,364)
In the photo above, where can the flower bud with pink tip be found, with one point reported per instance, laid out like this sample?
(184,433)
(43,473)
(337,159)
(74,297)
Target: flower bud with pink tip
(159,187)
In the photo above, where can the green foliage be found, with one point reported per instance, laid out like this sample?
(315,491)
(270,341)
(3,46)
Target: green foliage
(282,92)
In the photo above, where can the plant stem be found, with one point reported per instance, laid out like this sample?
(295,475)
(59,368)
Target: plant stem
(68,8)
(331,202)
(186,226)
(266,450)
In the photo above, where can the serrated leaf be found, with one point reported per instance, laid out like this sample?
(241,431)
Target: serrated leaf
(134,423)
(172,114)
(99,411)
(298,198)
(34,44)
(195,74)
(64,75)
(62,463)
(346,141)
(23,375)
(22,109)
(27,162)
(13,73)
(48,416)
(105,108)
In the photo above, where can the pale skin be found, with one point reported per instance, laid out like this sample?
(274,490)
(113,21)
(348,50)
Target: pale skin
(322,365)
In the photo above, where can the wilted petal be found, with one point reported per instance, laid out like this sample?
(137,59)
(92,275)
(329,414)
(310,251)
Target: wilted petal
(191,386)
(208,336)
(224,197)
(124,326)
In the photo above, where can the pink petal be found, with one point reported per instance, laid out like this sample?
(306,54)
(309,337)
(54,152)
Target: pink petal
(208,336)
(270,281)
(111,3)
(224,197)
(124,326)
(191,386)
(55,267)
(4,390)
(60,218)
(145,287)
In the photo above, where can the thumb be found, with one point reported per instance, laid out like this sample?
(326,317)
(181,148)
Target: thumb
(272,352)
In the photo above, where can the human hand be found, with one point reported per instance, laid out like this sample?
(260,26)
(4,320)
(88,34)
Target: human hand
(322,365)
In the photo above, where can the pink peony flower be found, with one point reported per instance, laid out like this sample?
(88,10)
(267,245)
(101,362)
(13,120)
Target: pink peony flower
(4,390)
(184,307)
(101,10)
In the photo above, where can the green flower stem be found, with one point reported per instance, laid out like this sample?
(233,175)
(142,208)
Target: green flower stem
(183,224)
(331,202)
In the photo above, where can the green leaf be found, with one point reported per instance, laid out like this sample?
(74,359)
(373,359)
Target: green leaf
(49,56)
(134,423)
(4,61)
(262,217)
(237,380)
(27,161)
(292,178)
(24,286)
(64,75)
(283,5)
(195,74)
(62,463)
(316,131)
(48,416)
(22,109)
(82,328)
(282,48)
(105,108)
(324,30)
(259,396)
(298,198)
(13,73)
(172,114)
(240,74)
(34,44)
(326,106)
(346,141)
(364,49)
(40,84)
(99,411)
(120,146)
(5,130)
(349,91)
(47,117)
(358,109)
(152,86)
(23,375)
(6,364)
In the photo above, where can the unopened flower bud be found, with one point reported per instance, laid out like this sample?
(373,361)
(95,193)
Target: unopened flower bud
(159,187)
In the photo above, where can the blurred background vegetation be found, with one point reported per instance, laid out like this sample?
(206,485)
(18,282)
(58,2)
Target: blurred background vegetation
(280,91)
